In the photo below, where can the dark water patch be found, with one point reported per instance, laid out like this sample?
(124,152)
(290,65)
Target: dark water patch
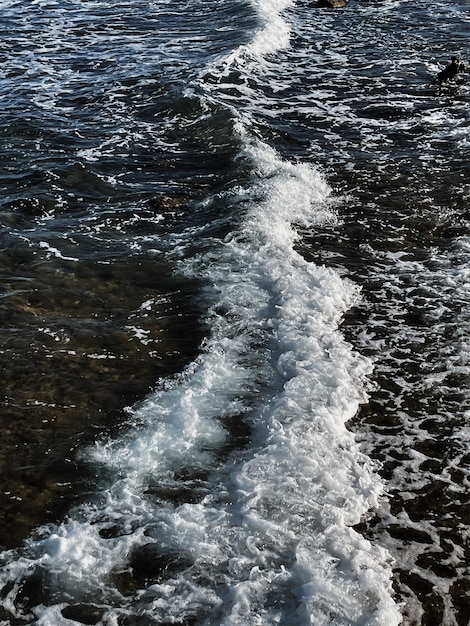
(42,586)
(151,563)
(34,589)
(460,593)
(431,603)
(136,620)
(83,613)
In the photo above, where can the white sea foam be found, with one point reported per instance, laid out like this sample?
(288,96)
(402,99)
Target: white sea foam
(55,252)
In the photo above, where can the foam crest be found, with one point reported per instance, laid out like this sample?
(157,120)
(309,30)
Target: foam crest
(183,419)
(273,35)
(297,193)
(276,32)
(321,391)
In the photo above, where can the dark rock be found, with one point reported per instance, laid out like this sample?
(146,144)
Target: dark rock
(179,492)
(83,613)
(151,563)
(451,70)
(331,4)
(34,590)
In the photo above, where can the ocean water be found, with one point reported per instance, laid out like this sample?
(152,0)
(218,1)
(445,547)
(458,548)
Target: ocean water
(235,313)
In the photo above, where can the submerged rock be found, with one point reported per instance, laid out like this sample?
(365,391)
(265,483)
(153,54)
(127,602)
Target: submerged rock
(331,4)
(451,70)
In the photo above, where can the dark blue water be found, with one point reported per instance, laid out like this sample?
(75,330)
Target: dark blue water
(235,313)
